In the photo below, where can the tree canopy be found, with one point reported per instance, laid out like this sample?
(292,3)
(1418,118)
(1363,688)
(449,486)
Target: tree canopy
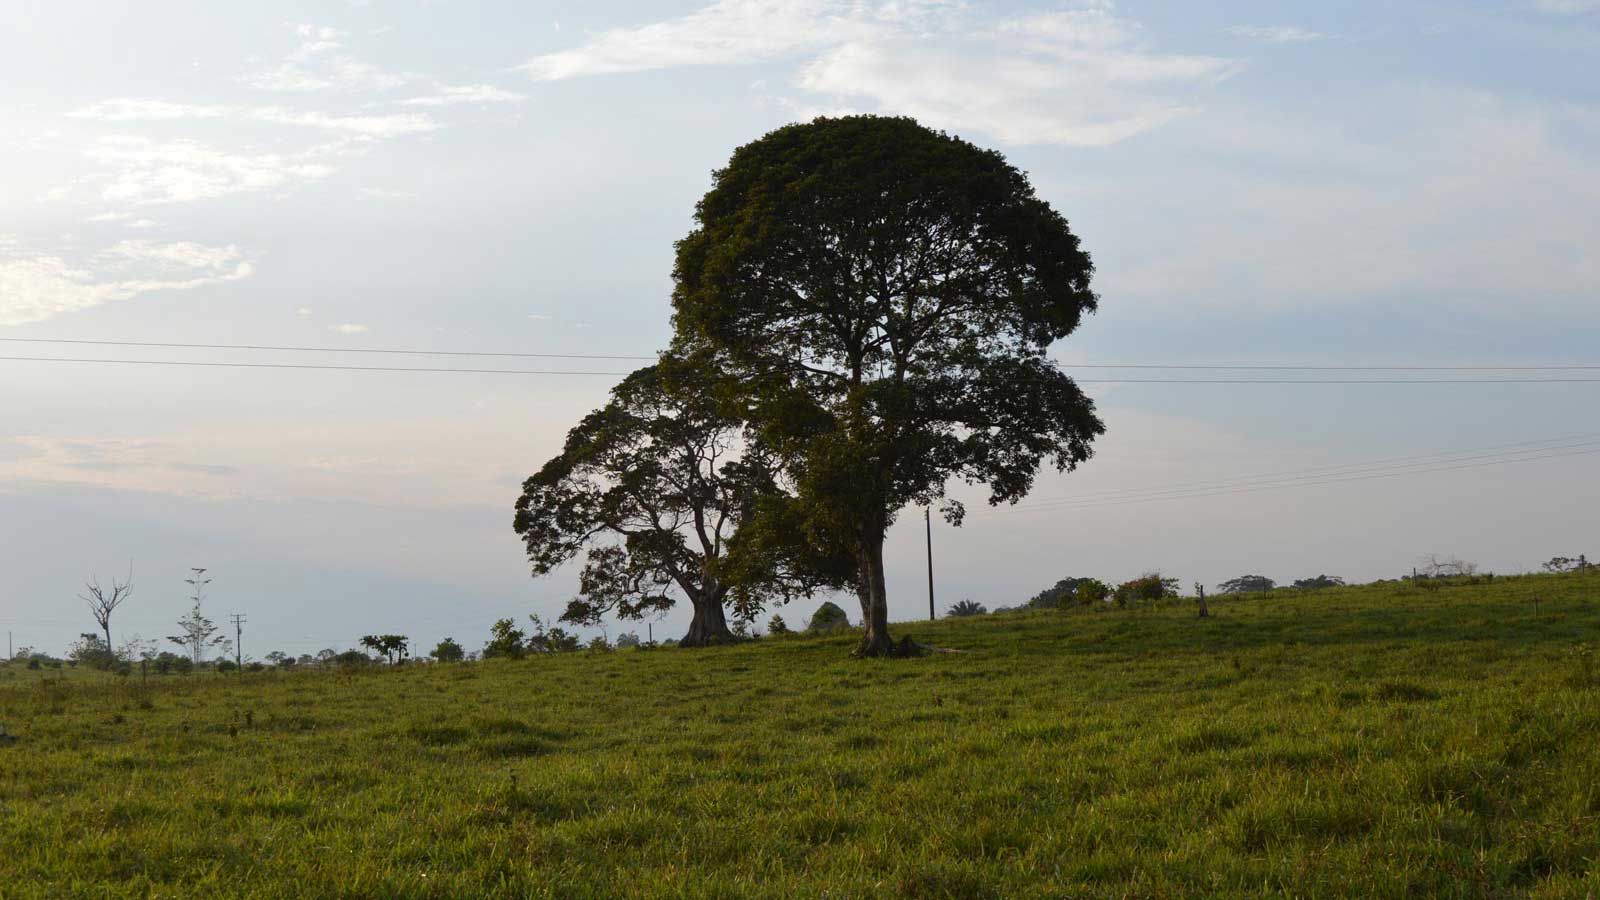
(883,296)
(1246,584)
(653,486)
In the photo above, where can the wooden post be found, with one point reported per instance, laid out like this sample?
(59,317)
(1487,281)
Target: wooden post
(927,521)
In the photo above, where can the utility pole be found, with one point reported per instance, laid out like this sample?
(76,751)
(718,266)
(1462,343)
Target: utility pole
(927,521)
(238,639)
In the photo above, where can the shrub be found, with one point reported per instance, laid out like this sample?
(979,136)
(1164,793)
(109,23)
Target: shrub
(91,651)
(828,617)
(628,640)
(776,626)
(226,665)
(1092,591)
(1146,588)
(1058,596)
(448,650)
(350,659)
(966,608)
(506,640)
(1319,582)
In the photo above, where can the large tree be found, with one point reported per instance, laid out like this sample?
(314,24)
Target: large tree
(884,296)
(654,486)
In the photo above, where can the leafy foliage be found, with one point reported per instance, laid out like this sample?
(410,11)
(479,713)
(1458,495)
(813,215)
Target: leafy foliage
(392,646)
(198,634)
(505,640)
(653,486)
(1246,584)
(1558,564)
(1318,582)
(1146,588)
(1091,591)
(966,608)
(91,651)
(882,297)
(828,617)
(1057,596)
(448,650)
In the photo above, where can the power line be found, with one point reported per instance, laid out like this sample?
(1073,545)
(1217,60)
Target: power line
(244,365)
(1453,456)
(297,349)
(1092,504)
(1064,365)
(469,371)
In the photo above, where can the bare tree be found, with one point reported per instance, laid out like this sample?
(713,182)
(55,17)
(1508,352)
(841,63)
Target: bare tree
(103,602)
(1436,566)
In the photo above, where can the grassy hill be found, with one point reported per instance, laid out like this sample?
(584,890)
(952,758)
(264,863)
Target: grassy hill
(1374,741)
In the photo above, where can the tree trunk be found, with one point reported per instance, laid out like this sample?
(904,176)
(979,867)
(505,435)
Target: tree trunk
(709,625)
(874,595)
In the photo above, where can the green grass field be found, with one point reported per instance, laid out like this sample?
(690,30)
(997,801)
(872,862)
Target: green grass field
(1380,741)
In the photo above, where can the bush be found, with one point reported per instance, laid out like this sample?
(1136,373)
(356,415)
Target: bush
(628,640)
(776,626)
(351,659)
(828,617)
(1146,588)
(1057,596)
(91,651)
(448,650)
(1092,591)
(1319,582)
(965,608)
(506,640)
(226,665)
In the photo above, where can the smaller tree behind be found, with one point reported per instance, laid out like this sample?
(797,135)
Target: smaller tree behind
(1092,591)
(1318,582)
(448,650)
(1247,584)
(196,633)
(966,608)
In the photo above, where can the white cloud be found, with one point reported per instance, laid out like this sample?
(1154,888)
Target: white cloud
(1278,34)
(724,33)
(180,171)
(1076,78)
(348,328)
(1081,76)
(34,287)
(110,217)
(383,126)
(303,311)
(314,65)
(470,94)
(1479,201)
(126,109)
(538,317)
(371,126)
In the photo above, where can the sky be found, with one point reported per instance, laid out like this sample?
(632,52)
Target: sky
(1308,184)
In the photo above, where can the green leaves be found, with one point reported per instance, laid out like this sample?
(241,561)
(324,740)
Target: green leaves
(883,296)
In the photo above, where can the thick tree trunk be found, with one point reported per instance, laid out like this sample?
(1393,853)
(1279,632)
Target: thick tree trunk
(874,595)
(709,625)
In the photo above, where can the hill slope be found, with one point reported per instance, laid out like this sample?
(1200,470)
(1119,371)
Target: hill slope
(1374,741)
